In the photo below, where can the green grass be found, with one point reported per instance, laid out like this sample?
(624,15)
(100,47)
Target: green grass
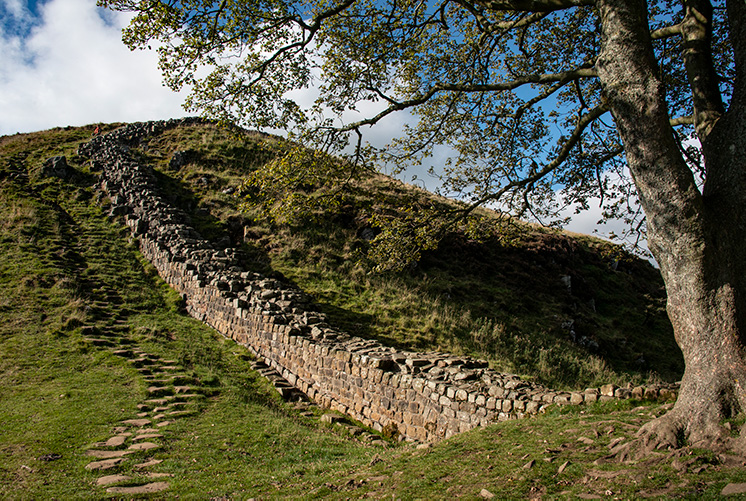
(67,269)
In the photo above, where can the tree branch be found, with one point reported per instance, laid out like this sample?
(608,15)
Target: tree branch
(700,67)
(490,27)
(309,33)
(675,122)
(666,32)
(539,78)
(533,5)
(562,155)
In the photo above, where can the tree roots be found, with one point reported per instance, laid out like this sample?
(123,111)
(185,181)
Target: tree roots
(681,428)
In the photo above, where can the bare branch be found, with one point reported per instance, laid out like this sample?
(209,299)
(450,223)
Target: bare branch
(666,32)
(675,122)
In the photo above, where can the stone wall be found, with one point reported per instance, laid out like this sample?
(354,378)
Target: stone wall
(425,396)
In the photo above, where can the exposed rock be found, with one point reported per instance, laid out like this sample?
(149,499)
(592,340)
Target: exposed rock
(112,479)
(179,159)
(104,464)
(137,422)
(107,454)
(143,446)
(485,494)
(56,167)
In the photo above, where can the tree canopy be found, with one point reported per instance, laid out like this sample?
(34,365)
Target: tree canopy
(511,88)
(542,102)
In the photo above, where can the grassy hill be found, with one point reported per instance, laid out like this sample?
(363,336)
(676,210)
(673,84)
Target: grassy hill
(85,321)
(505,299)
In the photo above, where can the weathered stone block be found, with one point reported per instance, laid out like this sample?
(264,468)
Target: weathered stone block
(622,393)
(650,394)
(608,390)
(562,399)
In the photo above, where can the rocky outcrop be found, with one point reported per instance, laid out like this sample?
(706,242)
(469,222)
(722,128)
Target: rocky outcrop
(56,167)
(422,396)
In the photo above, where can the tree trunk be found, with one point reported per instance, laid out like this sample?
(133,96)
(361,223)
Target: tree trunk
(696,237)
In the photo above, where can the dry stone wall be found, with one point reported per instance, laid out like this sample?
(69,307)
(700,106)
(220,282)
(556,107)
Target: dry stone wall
(422,396)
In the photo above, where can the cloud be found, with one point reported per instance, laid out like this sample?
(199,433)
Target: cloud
(70,68)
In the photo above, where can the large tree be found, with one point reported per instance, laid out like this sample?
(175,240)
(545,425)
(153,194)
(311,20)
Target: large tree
(540,102)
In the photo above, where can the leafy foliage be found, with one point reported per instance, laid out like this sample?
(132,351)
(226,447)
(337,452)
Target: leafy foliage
(509,87)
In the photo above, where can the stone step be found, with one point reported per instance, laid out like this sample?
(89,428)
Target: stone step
(114,441)
(112,479)
(159,401)
(154,379)
(148,464)
(143,446)
(100,341)
(180,414)
(139,489)
(142,361)
(137,422)
(104,464)
(147,436)
(157,391)
(184,380)
(185,397)
(107,454)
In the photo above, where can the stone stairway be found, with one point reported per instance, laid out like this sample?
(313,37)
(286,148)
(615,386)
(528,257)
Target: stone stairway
(286,390)
(129,460)
(133,452)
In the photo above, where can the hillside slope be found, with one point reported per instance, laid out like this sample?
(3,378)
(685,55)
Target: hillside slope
(74,291)
(567,310)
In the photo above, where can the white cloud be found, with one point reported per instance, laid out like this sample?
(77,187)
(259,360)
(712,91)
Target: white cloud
(72,69)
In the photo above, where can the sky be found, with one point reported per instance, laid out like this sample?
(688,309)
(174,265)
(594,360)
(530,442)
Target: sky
(62,62)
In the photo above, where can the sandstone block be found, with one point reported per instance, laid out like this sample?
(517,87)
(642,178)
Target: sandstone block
(608,390)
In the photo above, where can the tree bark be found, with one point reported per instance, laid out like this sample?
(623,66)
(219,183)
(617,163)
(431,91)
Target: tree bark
(696,237)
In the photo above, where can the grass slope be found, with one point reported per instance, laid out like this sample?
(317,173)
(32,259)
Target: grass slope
(503,299)
(66,269)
